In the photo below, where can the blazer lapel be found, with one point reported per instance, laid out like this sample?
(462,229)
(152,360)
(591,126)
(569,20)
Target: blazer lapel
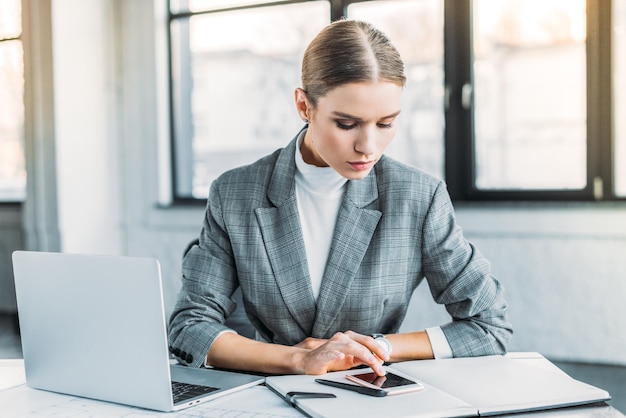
(282,236)
(353,233)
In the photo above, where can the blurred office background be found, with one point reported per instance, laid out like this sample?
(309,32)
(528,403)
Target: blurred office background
(116,115)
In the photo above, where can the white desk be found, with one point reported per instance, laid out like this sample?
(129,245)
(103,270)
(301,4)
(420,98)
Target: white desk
(11,373)
(18,400)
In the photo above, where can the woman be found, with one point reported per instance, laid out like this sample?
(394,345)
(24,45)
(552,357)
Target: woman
(327,238)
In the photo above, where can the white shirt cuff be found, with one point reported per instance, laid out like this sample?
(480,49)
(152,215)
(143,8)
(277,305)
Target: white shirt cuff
(439,343)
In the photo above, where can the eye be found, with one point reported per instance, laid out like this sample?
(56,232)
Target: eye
(385,125)
(345,126)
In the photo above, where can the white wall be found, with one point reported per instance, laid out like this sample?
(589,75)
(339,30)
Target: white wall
(87,161)
(564,272)
(563,266)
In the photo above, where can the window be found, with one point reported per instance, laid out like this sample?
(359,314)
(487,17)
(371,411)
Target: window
(505,99)
(530,94)
(235,72)
(530,111)
(12,163)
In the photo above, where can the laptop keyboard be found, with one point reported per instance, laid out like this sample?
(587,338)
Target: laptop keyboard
(185,391)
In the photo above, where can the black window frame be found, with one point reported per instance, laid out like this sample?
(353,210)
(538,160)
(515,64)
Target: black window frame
(459,121)
(459,138)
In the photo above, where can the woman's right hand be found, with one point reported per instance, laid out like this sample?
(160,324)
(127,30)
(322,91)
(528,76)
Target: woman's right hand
(342,351)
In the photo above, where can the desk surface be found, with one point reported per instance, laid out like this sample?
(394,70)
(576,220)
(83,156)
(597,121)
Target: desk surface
(18,400)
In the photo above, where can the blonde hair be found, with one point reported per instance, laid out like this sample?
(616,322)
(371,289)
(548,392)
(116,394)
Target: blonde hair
(349,51)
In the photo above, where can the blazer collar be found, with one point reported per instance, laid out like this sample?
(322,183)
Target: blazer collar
(283,182)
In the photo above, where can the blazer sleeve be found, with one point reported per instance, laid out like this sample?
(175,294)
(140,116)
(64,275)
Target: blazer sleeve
(209,280)
(460,278)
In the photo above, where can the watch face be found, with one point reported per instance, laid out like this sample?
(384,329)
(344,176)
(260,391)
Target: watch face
(384,343)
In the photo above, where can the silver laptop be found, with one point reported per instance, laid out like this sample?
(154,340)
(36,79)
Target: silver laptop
(94,326)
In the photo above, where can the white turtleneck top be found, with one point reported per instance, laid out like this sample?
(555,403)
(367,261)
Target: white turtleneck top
(319,191)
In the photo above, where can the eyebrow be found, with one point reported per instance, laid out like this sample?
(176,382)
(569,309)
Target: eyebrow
(348,116)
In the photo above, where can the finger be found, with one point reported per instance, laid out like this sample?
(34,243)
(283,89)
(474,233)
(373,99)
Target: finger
(376,365)
(350,343)
(370,343)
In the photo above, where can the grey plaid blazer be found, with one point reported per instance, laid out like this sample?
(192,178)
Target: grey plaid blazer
(394,228)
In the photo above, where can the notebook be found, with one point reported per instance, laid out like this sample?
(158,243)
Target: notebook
(460,387)
(94,326)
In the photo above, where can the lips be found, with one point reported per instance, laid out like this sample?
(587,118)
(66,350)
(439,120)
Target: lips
(361,165)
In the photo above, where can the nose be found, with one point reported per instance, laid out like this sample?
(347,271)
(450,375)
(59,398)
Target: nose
(366,142)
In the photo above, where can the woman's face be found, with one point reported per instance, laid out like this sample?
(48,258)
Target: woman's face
(351,126)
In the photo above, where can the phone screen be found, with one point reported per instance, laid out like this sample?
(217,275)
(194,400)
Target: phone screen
(387,381)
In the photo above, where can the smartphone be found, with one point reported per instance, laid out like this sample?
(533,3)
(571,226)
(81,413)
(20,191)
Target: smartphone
(392,383)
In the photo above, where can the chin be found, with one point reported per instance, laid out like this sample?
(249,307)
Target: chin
(356,175)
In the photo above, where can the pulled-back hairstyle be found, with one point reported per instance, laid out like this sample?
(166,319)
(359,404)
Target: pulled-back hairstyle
(349,51)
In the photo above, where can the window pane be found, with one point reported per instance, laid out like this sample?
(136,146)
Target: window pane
(530,94)
(10,19)
(416,28)
(179,6)
(12,165)
(235,73)
(619,87)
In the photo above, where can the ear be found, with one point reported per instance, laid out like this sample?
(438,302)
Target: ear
(302,104)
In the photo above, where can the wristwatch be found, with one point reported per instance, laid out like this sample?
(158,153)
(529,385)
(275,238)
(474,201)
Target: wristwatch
(383,342)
